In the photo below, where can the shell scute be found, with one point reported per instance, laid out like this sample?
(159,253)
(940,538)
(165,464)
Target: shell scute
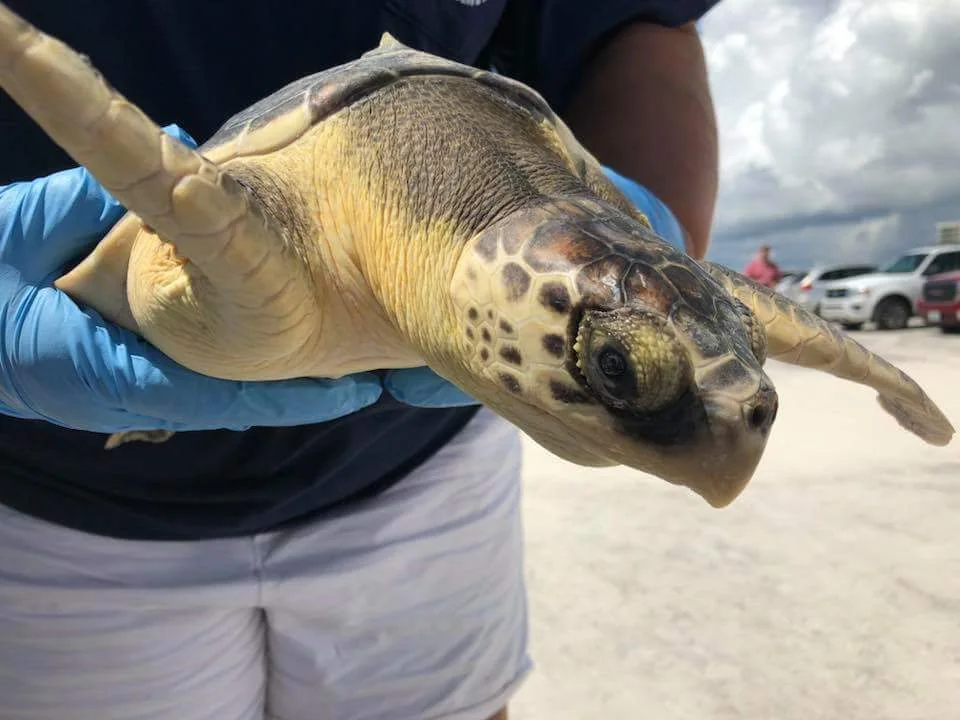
(708,342)
(601,282)
(557,247)
(692,290)
(730,376)
(646,285)
(516,281)
(307,101)
(631,241)
(554,296)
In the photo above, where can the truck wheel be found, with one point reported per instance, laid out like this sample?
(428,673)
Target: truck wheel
(892,314)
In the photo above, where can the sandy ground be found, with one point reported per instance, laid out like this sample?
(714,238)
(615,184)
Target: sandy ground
(830,589)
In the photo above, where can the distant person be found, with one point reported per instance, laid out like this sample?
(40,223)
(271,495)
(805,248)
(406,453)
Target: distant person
(762,269)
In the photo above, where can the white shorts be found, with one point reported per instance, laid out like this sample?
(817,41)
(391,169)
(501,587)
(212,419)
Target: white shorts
(410,606)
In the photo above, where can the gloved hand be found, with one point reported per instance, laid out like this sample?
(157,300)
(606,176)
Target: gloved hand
(67,365)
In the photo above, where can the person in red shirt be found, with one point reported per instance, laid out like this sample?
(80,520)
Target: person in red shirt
(762,269)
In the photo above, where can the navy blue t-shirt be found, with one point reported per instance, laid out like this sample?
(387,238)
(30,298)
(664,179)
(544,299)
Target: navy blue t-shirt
(195,63)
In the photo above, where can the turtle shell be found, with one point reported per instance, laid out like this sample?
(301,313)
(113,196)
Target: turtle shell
(283,117)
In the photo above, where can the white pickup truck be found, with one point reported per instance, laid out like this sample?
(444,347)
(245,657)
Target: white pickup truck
(889,296)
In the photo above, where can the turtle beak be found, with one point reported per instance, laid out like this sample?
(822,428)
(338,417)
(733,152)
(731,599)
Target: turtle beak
(717,452)
(720,460)
(721,484)
(738,432)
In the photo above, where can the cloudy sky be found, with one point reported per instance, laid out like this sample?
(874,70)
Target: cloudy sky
(839,126)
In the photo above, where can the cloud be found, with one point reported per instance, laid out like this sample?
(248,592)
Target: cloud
(839,125)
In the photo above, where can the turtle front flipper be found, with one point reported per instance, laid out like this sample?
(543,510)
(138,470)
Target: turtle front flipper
(212,282)
(799,337)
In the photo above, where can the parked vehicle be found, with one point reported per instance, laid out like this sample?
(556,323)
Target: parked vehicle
(939,302)
(809,290)
(889,296)
(789,281)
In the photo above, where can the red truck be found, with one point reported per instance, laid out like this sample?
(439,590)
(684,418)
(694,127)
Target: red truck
(939,303)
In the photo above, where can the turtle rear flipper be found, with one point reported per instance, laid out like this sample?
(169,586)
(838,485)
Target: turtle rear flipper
(799,337)
(210,261)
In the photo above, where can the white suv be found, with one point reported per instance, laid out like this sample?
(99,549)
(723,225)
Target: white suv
(889,296)
(808,291)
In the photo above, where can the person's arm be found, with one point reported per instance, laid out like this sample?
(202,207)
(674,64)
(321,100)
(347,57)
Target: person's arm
(643,107)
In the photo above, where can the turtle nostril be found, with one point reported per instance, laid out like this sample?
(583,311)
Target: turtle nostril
(759,416)
(764,411)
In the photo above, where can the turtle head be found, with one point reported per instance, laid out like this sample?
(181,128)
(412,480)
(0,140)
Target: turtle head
(684,396)
(608,346)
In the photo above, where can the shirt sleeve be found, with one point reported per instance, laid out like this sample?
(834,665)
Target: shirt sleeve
(546,43)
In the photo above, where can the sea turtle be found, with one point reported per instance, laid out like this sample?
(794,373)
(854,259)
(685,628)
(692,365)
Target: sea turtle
(403,210)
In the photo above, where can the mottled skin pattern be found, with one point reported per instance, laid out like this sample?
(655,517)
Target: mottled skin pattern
(524,291)
(404,210)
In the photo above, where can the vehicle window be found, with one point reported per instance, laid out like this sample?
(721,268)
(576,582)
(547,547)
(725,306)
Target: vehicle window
(833,275)
(947,262)
(904,264)
(862,270)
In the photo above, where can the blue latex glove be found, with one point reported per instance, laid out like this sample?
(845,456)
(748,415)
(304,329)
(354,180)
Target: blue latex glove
(664,222)
(67,365)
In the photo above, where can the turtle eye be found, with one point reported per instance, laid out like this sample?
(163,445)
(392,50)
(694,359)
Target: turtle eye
(612,362)
(631,360)
(608,371)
